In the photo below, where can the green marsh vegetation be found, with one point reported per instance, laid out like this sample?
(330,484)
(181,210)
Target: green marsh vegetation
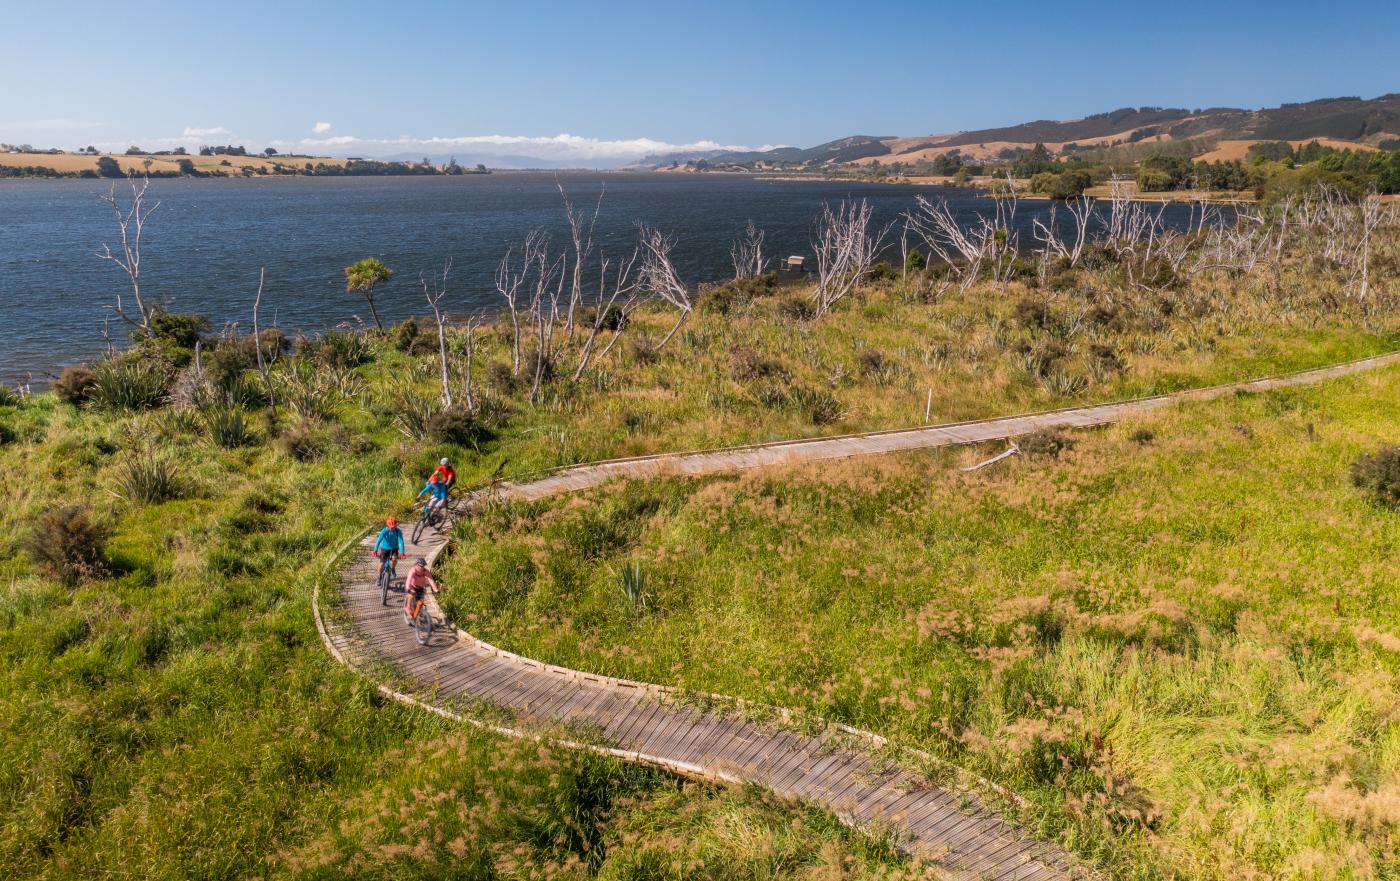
(1176,638)
(169,712)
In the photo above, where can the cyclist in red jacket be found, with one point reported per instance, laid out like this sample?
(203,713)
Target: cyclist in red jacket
(444,470)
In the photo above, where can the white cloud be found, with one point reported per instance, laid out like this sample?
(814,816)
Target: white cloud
(321,128)
(216,131)
(561,147)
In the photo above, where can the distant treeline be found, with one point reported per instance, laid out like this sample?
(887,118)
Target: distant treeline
(1270,170)
(107,167)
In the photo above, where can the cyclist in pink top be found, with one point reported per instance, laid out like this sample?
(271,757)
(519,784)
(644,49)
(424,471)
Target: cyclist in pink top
(415,586)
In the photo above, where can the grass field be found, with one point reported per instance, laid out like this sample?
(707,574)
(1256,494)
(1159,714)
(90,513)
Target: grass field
(68,163)
(169,712)
(1179,639)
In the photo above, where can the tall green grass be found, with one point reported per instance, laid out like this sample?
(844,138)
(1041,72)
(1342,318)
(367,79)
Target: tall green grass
(170,713)
(1178,639)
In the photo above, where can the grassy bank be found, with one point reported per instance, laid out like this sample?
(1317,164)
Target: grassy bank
(1177,639)
(168,711)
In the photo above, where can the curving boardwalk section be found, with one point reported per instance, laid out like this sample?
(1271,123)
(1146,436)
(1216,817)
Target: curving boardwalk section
(835,768)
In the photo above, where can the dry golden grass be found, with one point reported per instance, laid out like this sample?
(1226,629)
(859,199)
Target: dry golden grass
(72,163)
(1230,151)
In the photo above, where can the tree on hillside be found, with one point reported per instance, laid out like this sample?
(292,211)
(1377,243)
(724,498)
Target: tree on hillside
(269,152)
(108,167)
(361,277)
(134,150)
(1034,162)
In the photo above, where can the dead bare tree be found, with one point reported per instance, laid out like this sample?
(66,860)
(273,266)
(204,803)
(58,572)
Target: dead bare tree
(963,248)
(747,254)
(434,289)
(544,316)
(467,369)
(264,363)
(607,309)
(1080,210)
(845,247)
(581,228)
(131,223)
(659,278)
(510,280)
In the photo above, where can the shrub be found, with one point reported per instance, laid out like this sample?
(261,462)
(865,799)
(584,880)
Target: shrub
(614,319)
(148,478)
(817,406)
(1064,280)
(882,271)
(535,361)
(244,390)
(1063,384)
(1045,442)
(746,364)
(338,349)
(74,383)
(796,309)
(1106,357)
(175,329)
(227,363)
(7,435)
(1378,474)
(404,335)
(501,376)
(227,427)
(130,384)
(68,544)
(8,396)
(303,442)
(424,344)
(1032,313)
(458,425)
(1143,436)
(773,397)
(641,351)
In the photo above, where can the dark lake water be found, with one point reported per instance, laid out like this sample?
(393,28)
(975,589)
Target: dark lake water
(205,243)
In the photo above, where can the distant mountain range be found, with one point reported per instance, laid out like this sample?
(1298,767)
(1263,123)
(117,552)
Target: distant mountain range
(1371,122)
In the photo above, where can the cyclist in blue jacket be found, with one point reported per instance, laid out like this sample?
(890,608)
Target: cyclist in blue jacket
(390,544)
(438,487)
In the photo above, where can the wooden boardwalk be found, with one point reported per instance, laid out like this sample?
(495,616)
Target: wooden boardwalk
(950,829)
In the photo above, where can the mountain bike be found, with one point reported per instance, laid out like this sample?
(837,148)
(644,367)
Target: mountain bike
(432,516)
(420,618)
(387,571)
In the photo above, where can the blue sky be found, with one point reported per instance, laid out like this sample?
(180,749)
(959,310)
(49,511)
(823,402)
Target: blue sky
(622,79)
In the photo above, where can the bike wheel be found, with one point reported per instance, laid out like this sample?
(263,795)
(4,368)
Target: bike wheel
(384,585)
(418,528)
(423,627)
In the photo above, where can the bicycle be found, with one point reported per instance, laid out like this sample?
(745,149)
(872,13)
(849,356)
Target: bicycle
(431,516)
(387,571)
(420,619)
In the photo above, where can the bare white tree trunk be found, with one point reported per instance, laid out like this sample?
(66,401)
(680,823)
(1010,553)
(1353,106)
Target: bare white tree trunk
(434,290)
(747,254)
(659,278)
(131,223)
(624,287)
(509,281)
(263,365)
(845,248)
